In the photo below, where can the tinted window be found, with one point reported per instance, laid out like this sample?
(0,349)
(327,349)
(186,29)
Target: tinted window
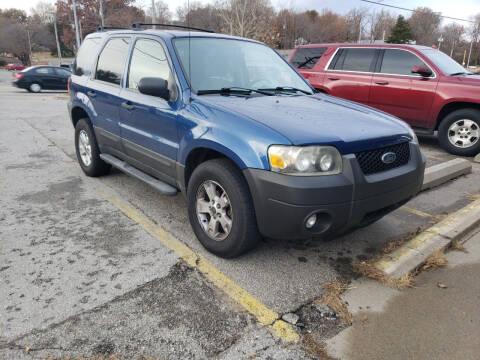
(399,62)
(44,70)
(62,72)
(306,58)
(86,56)
(112,60)
(148,60)
(353,60)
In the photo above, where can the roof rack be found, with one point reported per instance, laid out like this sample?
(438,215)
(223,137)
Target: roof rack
(103,28)
(138,26)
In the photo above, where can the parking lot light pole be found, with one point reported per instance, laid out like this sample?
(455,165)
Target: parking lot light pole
(77,34)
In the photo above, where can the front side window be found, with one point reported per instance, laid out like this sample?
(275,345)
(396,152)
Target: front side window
(112,60)
(353,59)
(399,62)
(43,70)
(148,60)
(306,58)
(62,72)
(215,63)
(86,55)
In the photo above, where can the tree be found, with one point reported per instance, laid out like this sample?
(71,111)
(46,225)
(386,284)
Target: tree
(381,24)
(14,38)
(425,26)
(452,37)
(201,16)
(248,18)
(401,32)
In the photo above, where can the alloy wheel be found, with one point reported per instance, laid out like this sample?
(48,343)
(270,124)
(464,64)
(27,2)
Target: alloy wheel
(85,148)
(463,133)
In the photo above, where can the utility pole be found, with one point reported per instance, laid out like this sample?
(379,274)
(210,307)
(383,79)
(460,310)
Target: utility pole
(154,15)
(56,39)
(77,34)
(29,46)
(102,20)
(360,30)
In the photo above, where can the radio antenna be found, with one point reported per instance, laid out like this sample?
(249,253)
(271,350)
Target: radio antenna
(189,52)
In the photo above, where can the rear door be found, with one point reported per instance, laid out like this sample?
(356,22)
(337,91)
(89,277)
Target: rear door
(397,91)
(62,78)
(148,123)
(305,59)
(104,93)
(349,73)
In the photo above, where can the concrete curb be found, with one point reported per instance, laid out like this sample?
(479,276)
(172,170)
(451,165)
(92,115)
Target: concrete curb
(477,158)
(438,174)
(413,253)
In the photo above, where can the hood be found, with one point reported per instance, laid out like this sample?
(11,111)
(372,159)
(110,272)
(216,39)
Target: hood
(470,79)
(318,119)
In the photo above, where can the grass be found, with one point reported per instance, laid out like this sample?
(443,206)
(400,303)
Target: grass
(315,349)
(331,298)
(456,245)
(434,261)
(367,269)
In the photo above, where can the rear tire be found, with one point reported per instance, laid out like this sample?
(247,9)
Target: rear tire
(222,179)
(35,87)
(459,132)
(88,153)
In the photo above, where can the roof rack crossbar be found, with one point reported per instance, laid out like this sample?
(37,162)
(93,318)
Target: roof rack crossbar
(102,28)
(138,26)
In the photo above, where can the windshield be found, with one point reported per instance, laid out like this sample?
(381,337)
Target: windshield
(226,63)
(444,62)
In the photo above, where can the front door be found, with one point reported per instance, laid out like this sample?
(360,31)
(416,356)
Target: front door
(148,123)
(397,91)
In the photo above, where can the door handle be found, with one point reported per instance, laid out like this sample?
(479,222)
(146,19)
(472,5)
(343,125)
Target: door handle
(381,82)
(128,105)
(334,78)
(91,93)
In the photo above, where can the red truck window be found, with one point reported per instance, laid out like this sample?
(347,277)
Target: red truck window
(306,58)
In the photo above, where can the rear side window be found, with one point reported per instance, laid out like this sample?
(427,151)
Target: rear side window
(111,61)
(86,55)
(353,60)
(306,58)
(62,72)
(399,62)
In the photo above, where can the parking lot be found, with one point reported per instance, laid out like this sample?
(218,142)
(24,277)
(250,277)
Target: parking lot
(84,273)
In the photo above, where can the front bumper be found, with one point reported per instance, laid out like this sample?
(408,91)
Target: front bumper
(341,202)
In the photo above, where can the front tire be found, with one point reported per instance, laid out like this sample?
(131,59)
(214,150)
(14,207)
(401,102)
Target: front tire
(459,132)
(221,210)
(88,153)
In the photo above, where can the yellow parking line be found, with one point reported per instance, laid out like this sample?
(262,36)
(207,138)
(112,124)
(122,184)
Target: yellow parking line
(262,313)
(416,212)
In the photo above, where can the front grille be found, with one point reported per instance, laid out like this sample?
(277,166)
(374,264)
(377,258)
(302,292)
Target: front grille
(371,161)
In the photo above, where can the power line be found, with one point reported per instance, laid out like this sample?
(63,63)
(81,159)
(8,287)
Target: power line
(413,10)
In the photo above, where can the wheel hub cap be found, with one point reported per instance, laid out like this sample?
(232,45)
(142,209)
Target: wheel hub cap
(214,210)
(85,148)
(463,133)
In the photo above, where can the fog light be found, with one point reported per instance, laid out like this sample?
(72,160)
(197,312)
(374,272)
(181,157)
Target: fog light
(311,221)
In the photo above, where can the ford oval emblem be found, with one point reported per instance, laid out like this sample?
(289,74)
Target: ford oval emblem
(389,157)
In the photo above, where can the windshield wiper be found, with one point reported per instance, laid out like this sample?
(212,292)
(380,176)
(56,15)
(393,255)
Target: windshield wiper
(461,73)
(287,88)
(307,61)
(233,90)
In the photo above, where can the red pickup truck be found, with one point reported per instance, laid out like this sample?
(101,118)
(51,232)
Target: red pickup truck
(421,85)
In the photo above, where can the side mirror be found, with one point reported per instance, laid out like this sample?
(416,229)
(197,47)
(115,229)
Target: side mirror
(422,70)
(155,87)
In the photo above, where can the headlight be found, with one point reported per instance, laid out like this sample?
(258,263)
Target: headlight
(414,136)
(305,160)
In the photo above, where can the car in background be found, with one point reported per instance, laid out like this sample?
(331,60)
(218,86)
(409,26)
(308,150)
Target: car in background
(15,67)
(421,85)
(38,78)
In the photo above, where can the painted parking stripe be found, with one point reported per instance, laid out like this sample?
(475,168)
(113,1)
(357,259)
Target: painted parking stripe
(262,313)
(415,211)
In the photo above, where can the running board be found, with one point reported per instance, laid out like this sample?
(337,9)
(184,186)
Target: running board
(159,185)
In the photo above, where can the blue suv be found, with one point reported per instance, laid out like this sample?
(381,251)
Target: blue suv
(232,125)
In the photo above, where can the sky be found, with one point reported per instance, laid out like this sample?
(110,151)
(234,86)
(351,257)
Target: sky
(454,8)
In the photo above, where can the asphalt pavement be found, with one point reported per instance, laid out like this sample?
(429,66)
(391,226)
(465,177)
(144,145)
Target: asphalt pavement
(78,277)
